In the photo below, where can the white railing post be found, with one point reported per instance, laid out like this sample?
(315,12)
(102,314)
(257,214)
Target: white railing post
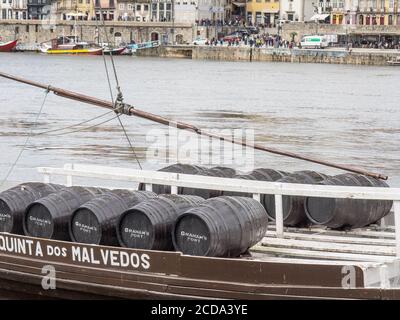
(396,206)
(278,216)
(69,180)
(46,178)
(148,187)
(383,274)
(174,189)
(257,197)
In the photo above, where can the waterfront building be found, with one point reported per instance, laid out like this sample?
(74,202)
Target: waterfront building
(161,11)
(365,12)
(265,12)
(235,11)
(19,9)
(211,11)
(185,11)
(292,10)
(38,9)
(106,8)
(74,9)
(6,9)
(126,10)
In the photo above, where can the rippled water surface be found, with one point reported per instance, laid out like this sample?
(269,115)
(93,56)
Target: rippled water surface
(345,114)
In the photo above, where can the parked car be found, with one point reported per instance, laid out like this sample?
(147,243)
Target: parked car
(200,42)
(252,30)
(235,36)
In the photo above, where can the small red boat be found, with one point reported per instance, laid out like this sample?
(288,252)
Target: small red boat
(8,46)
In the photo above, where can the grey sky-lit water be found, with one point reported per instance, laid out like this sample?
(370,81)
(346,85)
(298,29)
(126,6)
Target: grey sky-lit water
(345,114)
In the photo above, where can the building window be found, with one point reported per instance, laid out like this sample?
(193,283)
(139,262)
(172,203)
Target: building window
(382,20)
(290,17)
(382,4)
(121,6)
(138,7)
(258,17)
(130,6)
(390,20)
(146,7)
(361,19)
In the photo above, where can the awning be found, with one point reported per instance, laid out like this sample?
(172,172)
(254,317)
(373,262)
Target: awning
(319,17)
(239,4)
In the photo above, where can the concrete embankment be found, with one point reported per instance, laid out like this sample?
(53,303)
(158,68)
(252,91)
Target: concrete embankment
(333,56)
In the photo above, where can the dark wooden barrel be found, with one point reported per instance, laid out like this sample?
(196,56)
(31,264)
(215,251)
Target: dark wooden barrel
(177,168)
(347,213)
(260,174)
(49,217)
(218,171)
(220,227)
(14,201)
(148,225)
(293,206)
(95,221)
(222,172)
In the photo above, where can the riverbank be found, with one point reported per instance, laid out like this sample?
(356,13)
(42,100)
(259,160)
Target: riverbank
(372,57)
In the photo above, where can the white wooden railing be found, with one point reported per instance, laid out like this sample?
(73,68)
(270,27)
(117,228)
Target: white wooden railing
(256,188)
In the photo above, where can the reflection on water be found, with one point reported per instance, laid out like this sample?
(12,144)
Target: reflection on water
(345,114)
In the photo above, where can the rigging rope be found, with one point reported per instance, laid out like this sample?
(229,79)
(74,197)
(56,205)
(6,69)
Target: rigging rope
(26,140)
(119,99)
(82,129)
(73,125)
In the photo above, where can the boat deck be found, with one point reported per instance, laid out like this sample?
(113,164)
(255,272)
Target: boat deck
(307,263)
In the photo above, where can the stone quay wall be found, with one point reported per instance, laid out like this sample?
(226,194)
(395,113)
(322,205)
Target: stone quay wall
(32,32)
(339,56)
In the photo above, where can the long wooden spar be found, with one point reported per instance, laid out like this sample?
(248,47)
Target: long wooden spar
(132,111)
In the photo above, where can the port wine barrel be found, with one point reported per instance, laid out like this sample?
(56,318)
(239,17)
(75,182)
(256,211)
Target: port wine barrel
(260,174)
(222,172)
(49,217)
(14,201)
(177,168)
(293,206)
(348,213)
(95,221)
(220,227)
(218,171)
(148,225)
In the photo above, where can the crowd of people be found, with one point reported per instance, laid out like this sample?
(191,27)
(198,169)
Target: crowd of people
(254,41)
(383,44)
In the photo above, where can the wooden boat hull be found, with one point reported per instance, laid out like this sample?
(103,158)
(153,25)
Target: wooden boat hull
(114,52)
(8,46)
(73,51)
(87,271)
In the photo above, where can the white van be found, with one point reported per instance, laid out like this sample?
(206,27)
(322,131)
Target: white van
(318,42)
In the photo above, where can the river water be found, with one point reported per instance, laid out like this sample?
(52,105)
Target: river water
(340,113)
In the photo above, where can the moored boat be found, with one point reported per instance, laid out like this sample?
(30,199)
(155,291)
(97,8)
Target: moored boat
(66,45)
(8,46)
(114,51)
